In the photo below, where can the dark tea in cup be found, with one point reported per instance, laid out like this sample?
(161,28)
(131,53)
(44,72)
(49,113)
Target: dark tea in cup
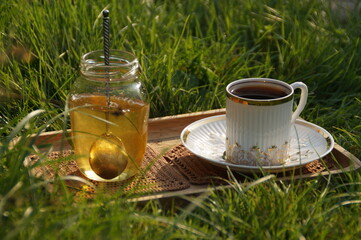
(260,91)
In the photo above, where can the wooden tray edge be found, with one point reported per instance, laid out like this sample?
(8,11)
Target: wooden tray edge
(355,163)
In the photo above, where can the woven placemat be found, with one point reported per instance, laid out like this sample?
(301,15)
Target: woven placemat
(198,171)
(158,175)
(175,170)
(193,168)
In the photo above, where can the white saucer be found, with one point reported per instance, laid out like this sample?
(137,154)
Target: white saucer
(206,139)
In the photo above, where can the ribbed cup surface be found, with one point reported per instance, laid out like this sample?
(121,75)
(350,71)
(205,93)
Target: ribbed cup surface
(257,134)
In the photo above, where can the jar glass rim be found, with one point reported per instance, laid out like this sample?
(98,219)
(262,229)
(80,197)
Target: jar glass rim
(113,53)
(123,65)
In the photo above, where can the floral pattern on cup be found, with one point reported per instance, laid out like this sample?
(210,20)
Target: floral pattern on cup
(255,156)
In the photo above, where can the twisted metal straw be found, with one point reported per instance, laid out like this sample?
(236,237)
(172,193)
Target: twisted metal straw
(106,60)
(106,36)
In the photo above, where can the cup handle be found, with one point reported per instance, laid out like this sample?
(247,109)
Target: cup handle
(303,100)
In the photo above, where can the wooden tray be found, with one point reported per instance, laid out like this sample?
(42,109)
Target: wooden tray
(164,134)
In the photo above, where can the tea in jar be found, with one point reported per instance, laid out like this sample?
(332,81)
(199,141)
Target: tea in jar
(109,115)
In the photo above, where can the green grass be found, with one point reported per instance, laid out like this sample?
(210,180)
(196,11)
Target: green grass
(189,51)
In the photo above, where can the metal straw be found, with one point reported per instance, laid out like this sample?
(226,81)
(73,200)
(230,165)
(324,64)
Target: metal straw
(106,36)
(106,60)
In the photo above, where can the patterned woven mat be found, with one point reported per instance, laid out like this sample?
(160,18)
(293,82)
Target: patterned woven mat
(201,172)
(158,177)
(175,170)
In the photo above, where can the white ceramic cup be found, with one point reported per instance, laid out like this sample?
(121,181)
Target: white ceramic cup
(259,116)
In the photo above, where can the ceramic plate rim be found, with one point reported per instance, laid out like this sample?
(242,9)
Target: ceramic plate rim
(248,168)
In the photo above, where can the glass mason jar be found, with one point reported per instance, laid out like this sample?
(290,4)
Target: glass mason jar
(109,116)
